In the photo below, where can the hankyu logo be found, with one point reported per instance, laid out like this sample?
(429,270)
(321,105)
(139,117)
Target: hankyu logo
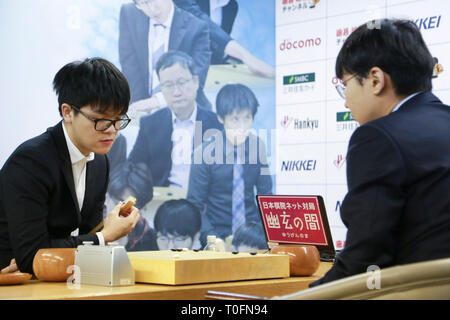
(286,122)
(299,124)
(299,83)
(298,5)
(339,162)
(287,44)
(432,22)
(299,165)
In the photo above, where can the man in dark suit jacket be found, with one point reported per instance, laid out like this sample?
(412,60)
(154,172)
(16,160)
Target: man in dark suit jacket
(223,46)
(186,33)
(219,32)
(212,184)
(397,209)
(157,139)
(52,188)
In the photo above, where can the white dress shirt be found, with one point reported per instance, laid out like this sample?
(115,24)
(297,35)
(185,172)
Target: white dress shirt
(215,10)
(404,101)
(79,161)
(163,36)
(183,143)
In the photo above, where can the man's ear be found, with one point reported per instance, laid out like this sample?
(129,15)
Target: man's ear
(220,119)
(378,80)
(66,111)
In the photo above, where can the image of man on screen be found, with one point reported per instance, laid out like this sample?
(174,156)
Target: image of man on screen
(149,28)
(166,138)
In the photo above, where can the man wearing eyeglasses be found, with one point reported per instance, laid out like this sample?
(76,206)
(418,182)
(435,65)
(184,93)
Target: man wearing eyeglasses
(166,138)
(177,225)
(397,209)
(52,188)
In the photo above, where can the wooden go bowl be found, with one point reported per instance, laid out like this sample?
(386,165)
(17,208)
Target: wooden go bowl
(53,264)
(303,260)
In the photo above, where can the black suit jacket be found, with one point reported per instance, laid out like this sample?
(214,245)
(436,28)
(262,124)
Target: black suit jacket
(211,183)
(153,144)
(38,203)
(397,209)
(187,34)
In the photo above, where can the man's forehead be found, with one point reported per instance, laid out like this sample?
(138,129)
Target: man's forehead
(175,71)
(104,112)
(169,234)
(242,112)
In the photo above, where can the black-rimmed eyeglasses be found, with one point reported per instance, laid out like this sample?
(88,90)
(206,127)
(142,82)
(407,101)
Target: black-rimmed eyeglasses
(104,124)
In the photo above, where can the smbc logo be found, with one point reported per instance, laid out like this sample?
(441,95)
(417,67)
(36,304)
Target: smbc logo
(344,116)
(299,78)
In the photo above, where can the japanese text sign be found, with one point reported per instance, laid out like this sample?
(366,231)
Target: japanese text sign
(293,219)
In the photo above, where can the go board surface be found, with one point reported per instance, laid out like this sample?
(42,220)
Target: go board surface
(189,267)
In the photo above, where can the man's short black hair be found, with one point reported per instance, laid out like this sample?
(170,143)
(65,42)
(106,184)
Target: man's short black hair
(172,57)
(94,81)
(237,97)
(250,234)
(396,46)
(179,217)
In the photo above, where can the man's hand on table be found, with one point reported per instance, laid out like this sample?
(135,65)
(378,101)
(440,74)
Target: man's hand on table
(11,268)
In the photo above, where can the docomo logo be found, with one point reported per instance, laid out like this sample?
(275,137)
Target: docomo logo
(299,44)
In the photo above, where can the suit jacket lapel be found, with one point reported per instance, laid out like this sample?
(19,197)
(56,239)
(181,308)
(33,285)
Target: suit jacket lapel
(90,183)
(141,30)
(200,123)
(66,166)
(177,30)
(204,6)
(167,144)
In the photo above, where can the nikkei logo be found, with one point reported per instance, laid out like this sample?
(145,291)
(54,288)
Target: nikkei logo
(438,68)
(338,206)
(299,83)
(287,44)
(339,161)
(298,5)
(299,124)
(433,22)
(345,122)
(299,165)
(342,34)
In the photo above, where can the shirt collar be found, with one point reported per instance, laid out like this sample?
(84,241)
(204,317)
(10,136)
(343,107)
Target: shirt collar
(75,154)
(405,100)
(218,4)
(231,148)
(192,118)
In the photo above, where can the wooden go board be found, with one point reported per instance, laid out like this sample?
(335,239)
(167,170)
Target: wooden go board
(189,267)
